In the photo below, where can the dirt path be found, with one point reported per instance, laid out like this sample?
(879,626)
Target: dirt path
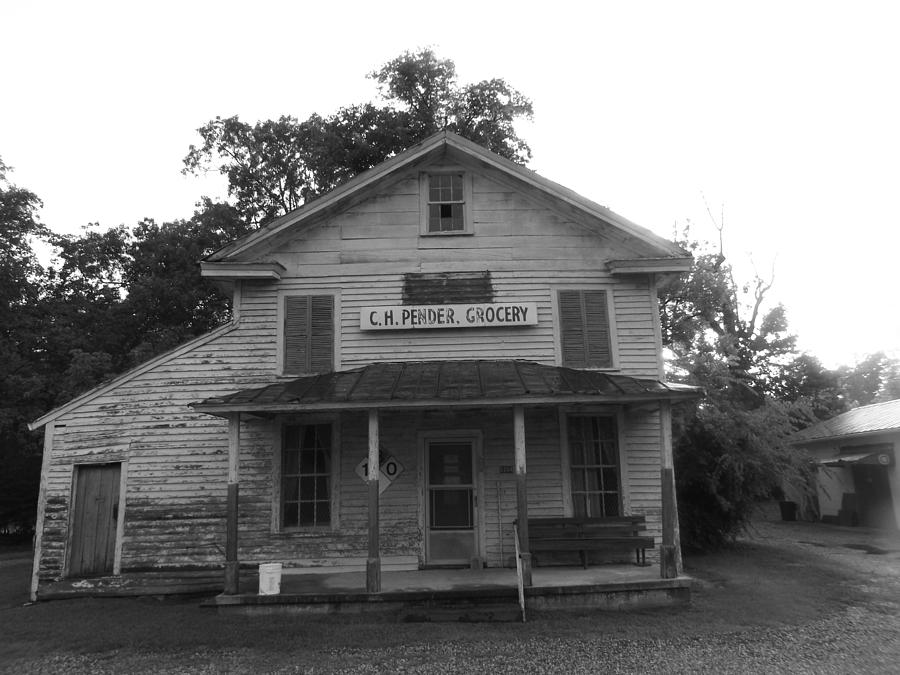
(791,598)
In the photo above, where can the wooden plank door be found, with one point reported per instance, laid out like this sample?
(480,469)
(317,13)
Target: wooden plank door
(452,536)
(92,540)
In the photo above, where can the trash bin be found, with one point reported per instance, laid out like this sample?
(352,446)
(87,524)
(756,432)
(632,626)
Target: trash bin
(788,510)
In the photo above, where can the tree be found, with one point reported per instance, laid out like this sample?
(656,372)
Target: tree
(730,448)
(119,297)
(874,379)
(805,380)
(21,386)
(272,167)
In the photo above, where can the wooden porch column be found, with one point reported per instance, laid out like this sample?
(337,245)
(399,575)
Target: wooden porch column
(670,564)
(232,566)
(522,492)
(373,562)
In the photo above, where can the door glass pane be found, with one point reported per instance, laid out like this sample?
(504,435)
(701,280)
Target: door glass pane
(450,464)
(451,508)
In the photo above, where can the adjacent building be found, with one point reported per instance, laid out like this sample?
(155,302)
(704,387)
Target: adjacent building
(856,469)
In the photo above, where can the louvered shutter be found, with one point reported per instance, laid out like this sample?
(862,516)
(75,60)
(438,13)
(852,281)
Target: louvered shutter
(571,320)
(308,334)
(596,320)
(321,342)
(584,329)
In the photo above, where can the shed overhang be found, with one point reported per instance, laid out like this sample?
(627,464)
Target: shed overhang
(445,384)
(879,458)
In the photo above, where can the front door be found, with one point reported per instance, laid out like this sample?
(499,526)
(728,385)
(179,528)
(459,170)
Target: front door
(92,542)
(450,502)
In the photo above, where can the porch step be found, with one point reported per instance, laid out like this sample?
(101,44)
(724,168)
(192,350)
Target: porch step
(469,613)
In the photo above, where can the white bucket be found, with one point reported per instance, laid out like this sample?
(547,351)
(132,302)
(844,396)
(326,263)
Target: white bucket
(270,579)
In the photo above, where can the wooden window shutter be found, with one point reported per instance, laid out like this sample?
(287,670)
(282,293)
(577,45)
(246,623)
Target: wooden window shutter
(584,329)
(308,334)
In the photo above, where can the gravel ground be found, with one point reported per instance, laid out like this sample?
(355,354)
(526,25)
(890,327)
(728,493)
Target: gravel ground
(793,598)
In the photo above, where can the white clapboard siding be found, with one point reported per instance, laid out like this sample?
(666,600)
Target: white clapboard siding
(175,460)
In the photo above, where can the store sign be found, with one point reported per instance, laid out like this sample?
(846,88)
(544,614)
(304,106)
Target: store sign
(493,314)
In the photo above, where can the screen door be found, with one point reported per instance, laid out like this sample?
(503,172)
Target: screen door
(450,502)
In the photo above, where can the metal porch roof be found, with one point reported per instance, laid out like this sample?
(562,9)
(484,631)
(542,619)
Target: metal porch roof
(444,384)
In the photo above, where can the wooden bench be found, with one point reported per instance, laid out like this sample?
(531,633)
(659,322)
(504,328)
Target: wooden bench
(616,533)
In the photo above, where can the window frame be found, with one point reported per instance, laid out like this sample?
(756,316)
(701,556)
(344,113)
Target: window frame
(281,313)
(610,319)
(279,432)
(618,417)
(425,202)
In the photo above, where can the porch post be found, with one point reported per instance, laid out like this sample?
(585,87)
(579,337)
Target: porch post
(670,564)
(232,566)
(373,562)
(522,492)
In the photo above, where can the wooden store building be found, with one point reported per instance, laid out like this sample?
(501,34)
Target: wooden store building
(443,347)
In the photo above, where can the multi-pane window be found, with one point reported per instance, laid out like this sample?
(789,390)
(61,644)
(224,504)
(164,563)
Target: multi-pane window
(446,203)
(594,463)
(585,340)
(306,476)
(308,334)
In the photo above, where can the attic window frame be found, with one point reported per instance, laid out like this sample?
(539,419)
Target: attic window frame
(426,203)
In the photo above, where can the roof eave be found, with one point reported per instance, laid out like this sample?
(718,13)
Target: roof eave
(678,265)
(241,270)
(846,437)
(227,409)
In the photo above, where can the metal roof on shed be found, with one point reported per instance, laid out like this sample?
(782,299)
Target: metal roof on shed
(865,420)
(444,383)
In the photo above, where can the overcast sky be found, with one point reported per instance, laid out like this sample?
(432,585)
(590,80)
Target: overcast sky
(783,115)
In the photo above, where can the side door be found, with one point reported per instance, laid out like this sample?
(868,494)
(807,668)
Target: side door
(92,537)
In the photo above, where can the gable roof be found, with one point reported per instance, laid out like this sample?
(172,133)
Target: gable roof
(434,147)
(869,419)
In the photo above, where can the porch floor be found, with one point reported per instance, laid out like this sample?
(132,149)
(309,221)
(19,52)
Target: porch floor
(601,587)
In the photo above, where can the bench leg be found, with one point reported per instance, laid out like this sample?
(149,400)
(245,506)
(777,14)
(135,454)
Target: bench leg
(584,559)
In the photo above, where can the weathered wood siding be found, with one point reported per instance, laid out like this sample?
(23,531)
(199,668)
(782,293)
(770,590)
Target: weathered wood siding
(529,249)
(175,460)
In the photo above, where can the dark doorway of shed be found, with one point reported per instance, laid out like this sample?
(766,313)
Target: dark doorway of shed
(450,502)
(873,492)
(92,540)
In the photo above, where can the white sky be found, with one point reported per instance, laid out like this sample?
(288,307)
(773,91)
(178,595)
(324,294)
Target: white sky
(785,114)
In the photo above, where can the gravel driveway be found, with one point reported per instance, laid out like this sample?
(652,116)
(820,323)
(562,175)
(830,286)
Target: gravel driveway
(791,598)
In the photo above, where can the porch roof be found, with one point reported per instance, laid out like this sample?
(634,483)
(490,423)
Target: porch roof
(420,384)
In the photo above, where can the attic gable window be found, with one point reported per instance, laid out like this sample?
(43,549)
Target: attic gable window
(445,203)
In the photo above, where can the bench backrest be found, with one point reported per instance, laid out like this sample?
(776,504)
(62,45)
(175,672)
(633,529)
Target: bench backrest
(585,528)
